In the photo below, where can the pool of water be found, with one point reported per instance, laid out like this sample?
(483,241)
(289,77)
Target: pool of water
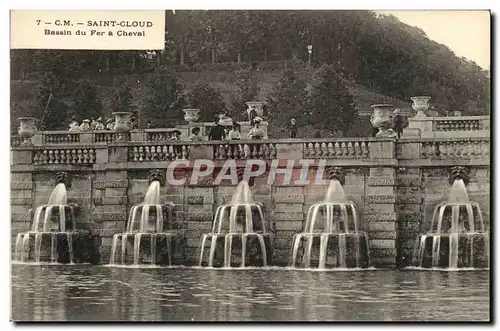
(100,293)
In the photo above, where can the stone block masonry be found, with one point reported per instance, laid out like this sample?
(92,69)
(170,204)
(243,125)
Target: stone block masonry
(380,200)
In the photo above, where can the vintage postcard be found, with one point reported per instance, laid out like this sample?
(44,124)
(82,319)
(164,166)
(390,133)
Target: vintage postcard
(250,165)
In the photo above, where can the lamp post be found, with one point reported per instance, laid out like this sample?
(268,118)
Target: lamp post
(310,50)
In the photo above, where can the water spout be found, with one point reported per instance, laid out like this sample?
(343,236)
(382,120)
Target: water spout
(335,192)
(243,194)
(59,196)
(458,193)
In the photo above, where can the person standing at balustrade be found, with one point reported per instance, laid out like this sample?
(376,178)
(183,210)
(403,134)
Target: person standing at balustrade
(176,136)
(217,133)
(195,135)
(99,125)
(293,128)
(110,125)
(74,126)
(256,133)
(85,126)
(235,134)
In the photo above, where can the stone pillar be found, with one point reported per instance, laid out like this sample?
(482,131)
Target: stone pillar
(110,208)
(381,213)
(199,213)
(409,203)
(109,195)
(21,201)
(424,124)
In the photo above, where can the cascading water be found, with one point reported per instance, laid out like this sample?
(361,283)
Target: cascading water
(239,236)
(331,237)
(457,237)
(52,233)
(145,240)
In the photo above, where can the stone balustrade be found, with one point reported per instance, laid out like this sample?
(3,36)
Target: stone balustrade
(64,156)
(335,151)
(341,148)
(451,126)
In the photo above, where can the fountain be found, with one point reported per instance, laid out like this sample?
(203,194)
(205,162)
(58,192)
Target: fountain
(145,240)
(331,237)
(52,236)
(239,236)
(457,237)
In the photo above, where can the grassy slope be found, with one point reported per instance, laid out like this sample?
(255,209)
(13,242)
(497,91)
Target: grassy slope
(23,98)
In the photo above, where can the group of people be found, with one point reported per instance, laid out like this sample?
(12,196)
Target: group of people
(96,124)
(232,132)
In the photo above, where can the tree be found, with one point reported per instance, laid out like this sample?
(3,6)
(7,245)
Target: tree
(164,100)
(87,103)
(206,98)
(122,100)
(246,90)
(289,99)
(332,104)
(49,109)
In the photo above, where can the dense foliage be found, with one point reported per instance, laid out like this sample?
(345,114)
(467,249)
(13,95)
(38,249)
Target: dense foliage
(206,98)
(122,99)
(246,89)
(164,101)
(332,102)
(289,99)
(87,103)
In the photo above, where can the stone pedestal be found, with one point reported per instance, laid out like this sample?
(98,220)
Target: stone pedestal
(424,124)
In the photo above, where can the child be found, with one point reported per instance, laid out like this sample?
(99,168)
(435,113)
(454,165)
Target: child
(195,135)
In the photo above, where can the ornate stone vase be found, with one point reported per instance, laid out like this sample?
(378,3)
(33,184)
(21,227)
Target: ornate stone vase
(26,129)
(257,105)
(382,119)
(122,124)
(420,105)
(191,115)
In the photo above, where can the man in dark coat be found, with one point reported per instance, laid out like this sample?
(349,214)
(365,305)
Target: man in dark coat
(217,133)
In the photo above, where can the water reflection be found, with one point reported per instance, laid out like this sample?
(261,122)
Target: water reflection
(184,294)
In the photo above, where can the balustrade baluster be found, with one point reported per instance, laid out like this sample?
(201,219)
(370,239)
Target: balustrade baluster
(274,153)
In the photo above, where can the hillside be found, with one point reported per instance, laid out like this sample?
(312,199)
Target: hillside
(380,58)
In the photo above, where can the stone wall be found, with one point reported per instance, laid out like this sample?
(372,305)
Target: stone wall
(395,189)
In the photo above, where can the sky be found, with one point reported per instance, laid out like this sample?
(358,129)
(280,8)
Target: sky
(466,33)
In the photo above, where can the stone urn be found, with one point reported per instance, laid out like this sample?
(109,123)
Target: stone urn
(257,105)
(26,129)
(382,119)
(122,124)
(191,115)
(420,105)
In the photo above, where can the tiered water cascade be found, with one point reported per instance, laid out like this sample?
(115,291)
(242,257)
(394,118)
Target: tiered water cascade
(457,237)
(331,237)
(147,239)
(52,235)
(239,236)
